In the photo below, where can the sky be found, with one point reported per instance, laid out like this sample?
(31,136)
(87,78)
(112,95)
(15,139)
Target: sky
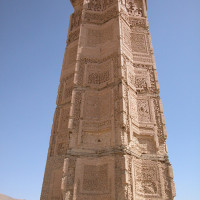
(32,43)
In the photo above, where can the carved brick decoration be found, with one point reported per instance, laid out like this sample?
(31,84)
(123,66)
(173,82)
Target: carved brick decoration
(143,110)
(76,19)
(73,36)
(108,138)
(102,17)
(139,42)
(98,78)
(99,5)
(133,7)
(95,179)
(147,180)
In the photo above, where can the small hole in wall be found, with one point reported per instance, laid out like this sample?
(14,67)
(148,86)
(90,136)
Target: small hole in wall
(99,140)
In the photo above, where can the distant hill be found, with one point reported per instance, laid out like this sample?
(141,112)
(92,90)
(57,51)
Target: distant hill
(4,197)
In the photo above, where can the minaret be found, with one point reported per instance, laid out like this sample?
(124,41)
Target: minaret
(108,140)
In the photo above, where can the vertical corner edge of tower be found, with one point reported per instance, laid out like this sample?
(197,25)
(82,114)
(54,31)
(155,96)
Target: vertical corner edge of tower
(146,3)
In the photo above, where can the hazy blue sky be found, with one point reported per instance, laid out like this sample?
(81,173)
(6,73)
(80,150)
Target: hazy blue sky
(32,43)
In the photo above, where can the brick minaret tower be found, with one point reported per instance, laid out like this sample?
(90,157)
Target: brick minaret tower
(108,139)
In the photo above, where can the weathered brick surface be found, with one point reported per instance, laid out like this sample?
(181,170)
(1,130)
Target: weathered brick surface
(108,138)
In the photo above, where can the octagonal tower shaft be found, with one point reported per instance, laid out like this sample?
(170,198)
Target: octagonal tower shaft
(108,139)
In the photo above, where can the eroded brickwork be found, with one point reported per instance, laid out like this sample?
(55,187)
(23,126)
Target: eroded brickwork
(108,139)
